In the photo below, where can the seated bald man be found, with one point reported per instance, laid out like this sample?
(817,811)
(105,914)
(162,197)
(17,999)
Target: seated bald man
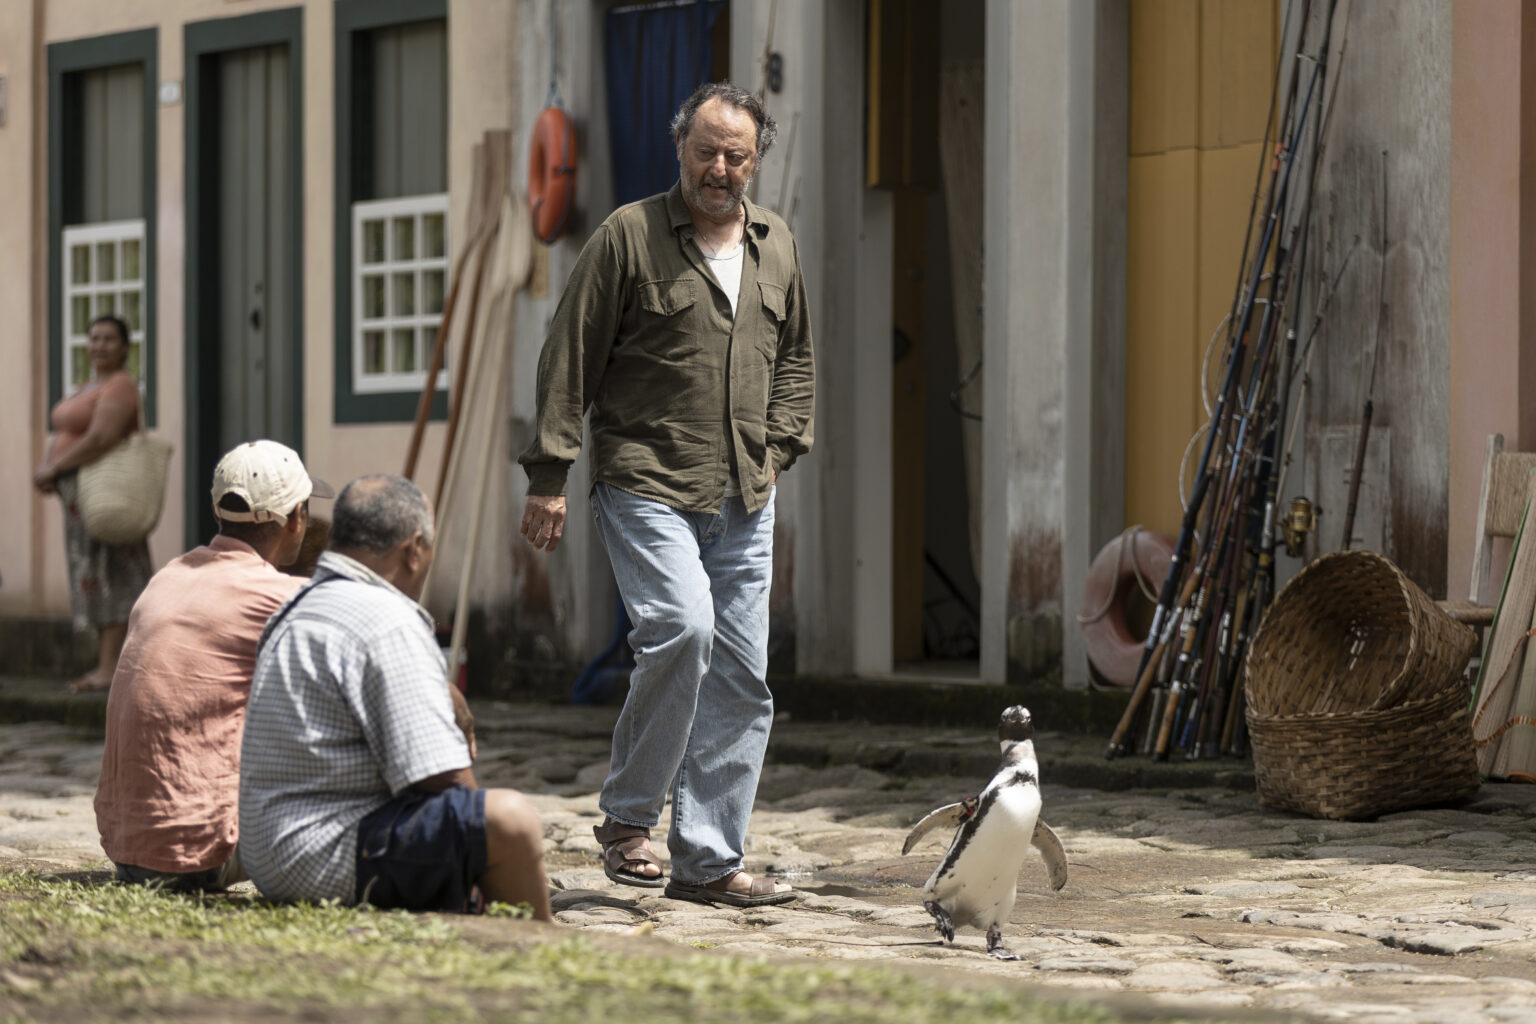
(355,780)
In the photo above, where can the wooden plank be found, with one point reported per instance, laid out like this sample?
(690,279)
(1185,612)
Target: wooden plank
(903,79)
(1238,48)
(1164,75)
(1162,403)
(962,96)
(908,427)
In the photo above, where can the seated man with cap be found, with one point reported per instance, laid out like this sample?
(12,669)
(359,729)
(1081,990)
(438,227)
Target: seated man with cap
(167,803)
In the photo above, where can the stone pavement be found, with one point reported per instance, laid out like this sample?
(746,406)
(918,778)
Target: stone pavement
(1183,892)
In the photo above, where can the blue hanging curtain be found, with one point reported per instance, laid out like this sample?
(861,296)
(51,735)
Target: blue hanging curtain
(656,55)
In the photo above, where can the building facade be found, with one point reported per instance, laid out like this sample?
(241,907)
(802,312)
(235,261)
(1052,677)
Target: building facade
(1020,220)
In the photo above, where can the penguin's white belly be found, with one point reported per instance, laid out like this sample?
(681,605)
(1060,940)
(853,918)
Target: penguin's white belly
(981,883)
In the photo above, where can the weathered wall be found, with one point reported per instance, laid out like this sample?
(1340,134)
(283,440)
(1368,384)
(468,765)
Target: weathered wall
(1393,110)
(1052,289)
(843,541)
(542,610)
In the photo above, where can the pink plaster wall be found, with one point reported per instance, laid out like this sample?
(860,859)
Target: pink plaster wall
(1493,252)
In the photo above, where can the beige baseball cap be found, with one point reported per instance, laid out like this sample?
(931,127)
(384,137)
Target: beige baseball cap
(267,476)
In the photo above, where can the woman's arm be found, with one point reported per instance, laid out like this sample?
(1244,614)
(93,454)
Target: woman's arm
(112,420)
(44,482)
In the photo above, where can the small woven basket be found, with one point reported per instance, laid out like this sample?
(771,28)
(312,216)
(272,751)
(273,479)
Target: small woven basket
(1356,701)
(1362,764)
(1350,632)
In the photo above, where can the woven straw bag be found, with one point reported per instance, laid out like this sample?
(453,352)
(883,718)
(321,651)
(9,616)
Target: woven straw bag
(122,492)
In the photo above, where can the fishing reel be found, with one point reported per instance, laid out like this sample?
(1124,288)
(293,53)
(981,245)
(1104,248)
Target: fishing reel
(1299,520)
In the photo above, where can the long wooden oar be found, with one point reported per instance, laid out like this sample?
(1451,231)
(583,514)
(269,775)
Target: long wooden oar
(481,220)
(498,157)
(514,262)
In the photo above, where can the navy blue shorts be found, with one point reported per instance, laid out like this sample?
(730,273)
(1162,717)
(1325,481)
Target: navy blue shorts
(420,852)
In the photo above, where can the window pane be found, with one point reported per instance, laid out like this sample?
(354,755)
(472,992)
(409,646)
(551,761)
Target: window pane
(106,304)
(373,352)
(132,311)
(404,288)
(432,292)
(80,315)
(373,241)
(106,261)
(373,297)
(79,365)
(131,259)
(405,239)
(404,350)
(80,264)
(433,244)
(136,360)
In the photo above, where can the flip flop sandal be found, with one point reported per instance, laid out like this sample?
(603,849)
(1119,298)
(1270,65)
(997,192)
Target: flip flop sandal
(764,892)
(627,844)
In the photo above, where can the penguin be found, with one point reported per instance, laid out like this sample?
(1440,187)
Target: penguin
(977,881)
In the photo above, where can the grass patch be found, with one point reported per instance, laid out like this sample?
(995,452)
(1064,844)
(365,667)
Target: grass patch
(70,951)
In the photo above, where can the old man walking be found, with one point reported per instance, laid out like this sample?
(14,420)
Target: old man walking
(684,330)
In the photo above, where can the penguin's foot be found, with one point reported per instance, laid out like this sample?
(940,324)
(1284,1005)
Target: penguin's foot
(941,920)
(995,946)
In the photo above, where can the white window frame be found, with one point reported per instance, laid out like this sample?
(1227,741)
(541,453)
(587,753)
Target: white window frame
(93,237)
(422,323)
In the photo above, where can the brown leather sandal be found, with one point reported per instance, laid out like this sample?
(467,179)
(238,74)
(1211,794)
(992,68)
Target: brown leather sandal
(627,844)
(764,892)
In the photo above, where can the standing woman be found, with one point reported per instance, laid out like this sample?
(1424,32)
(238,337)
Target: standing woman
(104,579)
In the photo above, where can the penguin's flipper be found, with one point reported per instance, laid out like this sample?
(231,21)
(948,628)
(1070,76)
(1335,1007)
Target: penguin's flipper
(1050,848)
(949,816)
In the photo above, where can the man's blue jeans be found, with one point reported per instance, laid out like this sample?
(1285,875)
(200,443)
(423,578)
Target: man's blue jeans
(696,721)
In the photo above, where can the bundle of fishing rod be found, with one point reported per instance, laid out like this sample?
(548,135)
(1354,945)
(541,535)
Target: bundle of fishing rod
(1188,691)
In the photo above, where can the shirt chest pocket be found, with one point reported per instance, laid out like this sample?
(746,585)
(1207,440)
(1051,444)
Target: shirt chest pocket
(667,319)
(663,299)
(774,309)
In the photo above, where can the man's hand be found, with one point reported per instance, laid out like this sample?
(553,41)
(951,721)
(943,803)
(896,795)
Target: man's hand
(544,520)
(465,719)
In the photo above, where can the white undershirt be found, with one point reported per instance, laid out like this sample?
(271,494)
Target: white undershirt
(727,270)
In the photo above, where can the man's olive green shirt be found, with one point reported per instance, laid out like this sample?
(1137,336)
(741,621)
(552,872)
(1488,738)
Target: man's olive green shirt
(680,391)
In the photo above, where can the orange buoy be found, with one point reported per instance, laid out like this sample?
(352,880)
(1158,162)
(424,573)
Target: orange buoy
(1136,554)
(552,173)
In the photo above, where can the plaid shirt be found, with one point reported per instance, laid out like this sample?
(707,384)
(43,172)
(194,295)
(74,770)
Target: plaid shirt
(349,706)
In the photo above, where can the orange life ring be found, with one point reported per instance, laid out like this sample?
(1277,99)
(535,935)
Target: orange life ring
(1112,651)
(552,173)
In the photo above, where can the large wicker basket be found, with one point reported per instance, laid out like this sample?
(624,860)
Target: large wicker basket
(1356,701)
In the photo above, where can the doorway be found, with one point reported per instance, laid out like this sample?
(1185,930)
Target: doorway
(244,341)
(929,87)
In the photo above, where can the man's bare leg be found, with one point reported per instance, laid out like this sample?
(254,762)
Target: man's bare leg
(514,853)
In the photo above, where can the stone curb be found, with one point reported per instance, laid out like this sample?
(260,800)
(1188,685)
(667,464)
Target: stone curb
(1067,758)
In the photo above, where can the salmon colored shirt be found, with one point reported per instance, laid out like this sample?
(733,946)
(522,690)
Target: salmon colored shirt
(71,417)
(168,797)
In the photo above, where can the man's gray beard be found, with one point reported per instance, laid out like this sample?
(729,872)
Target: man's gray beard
(694,195)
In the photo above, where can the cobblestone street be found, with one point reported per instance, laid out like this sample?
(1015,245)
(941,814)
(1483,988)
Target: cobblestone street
(1193,897)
